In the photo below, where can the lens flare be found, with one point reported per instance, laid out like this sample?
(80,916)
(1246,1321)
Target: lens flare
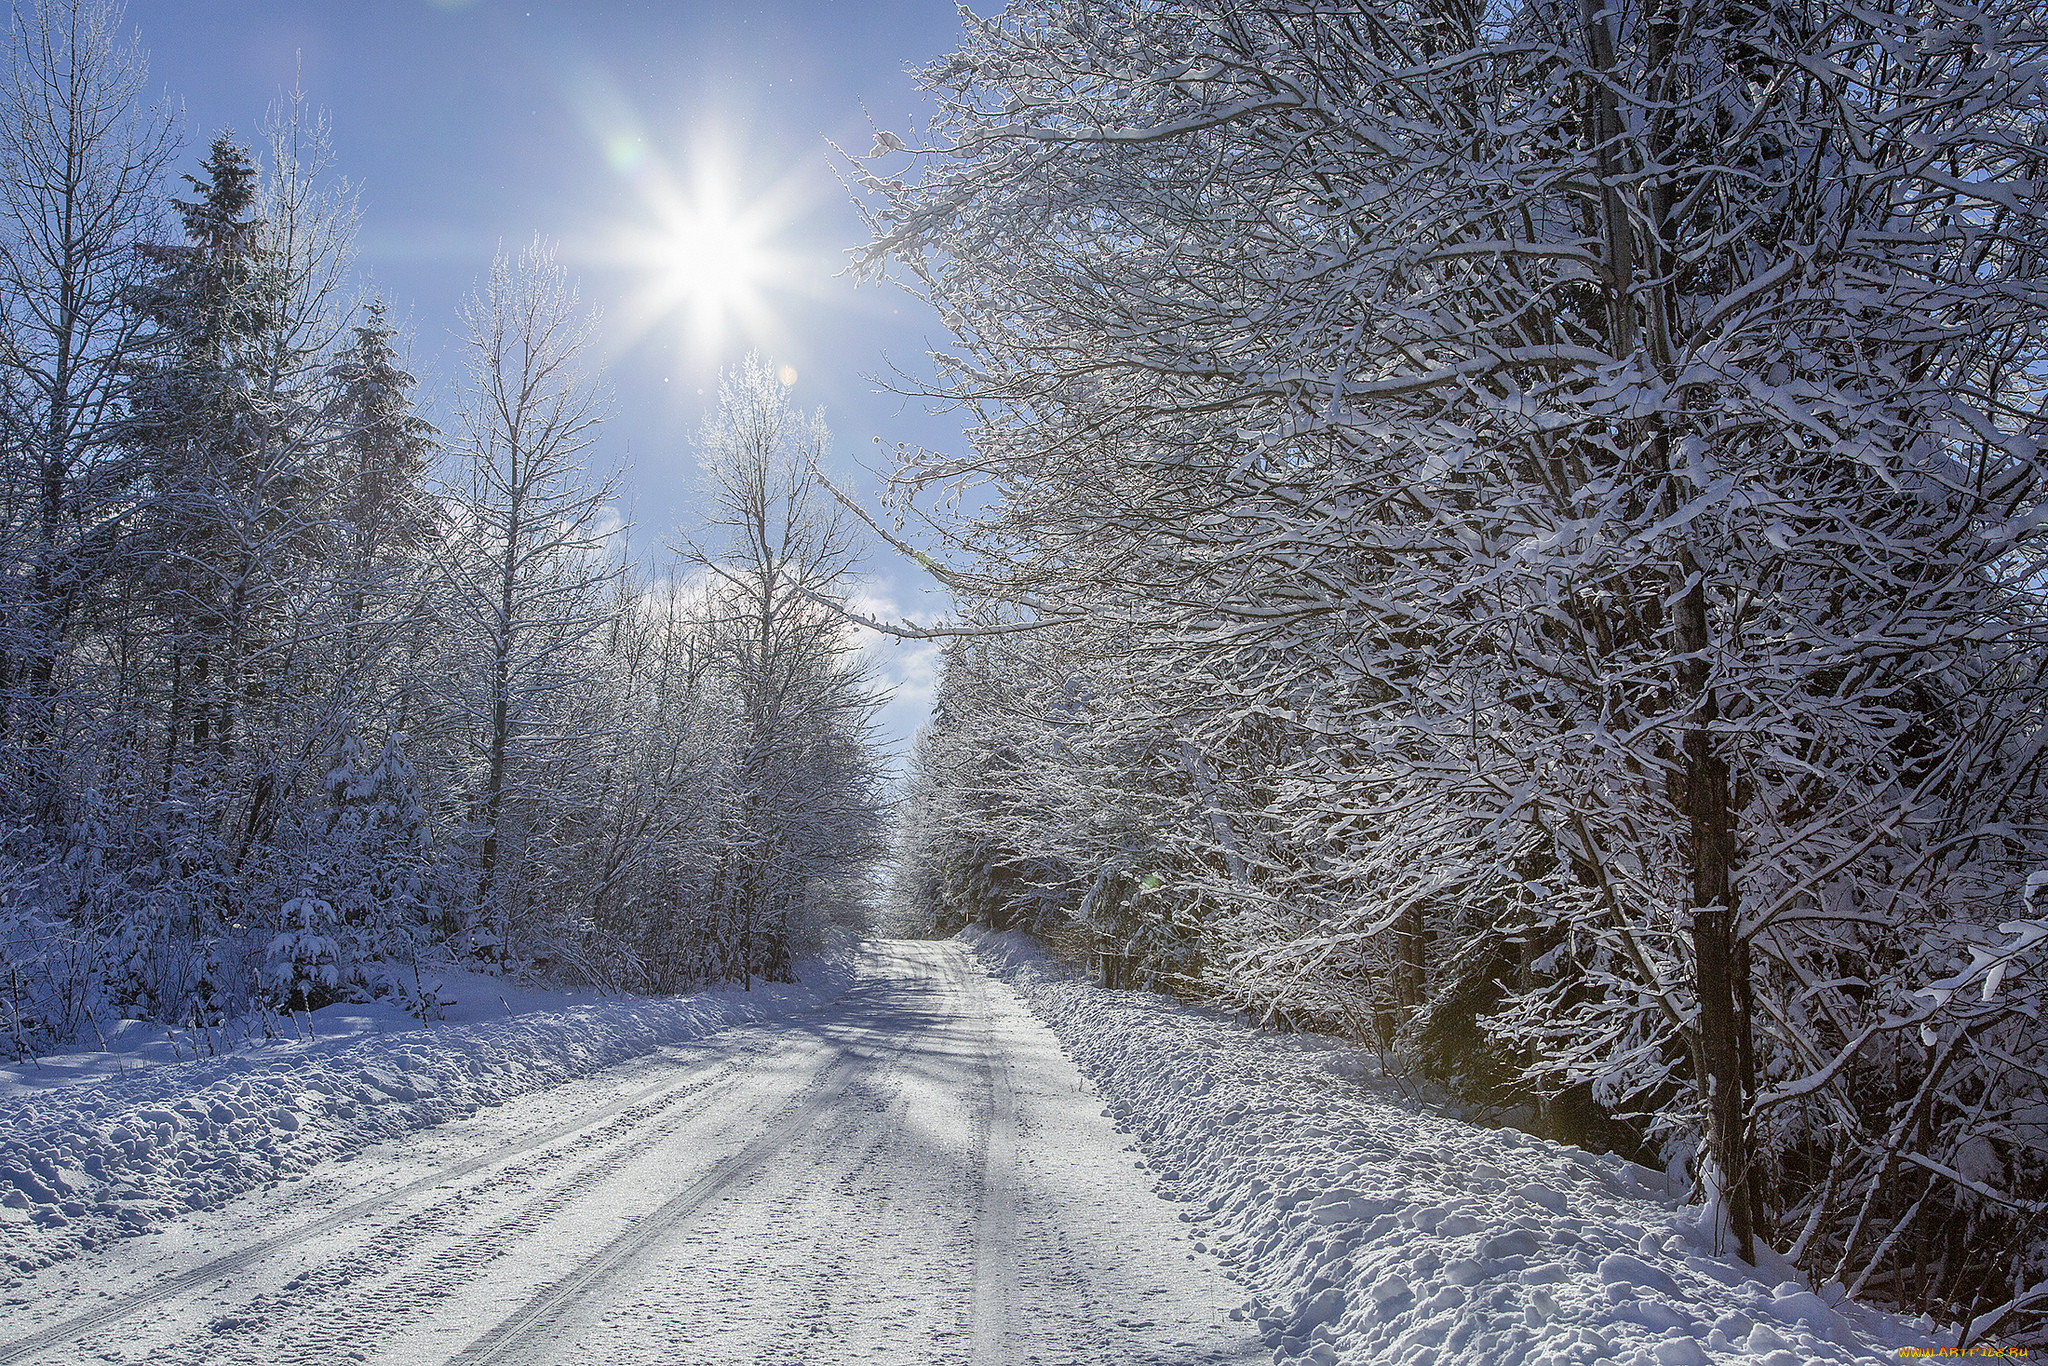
(709,249)
(712,263)
(625,152)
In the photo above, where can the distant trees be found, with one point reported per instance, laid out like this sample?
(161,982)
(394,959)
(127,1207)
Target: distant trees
(295,688)
(1540,513)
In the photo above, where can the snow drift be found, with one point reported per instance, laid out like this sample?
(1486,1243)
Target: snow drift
(1367,1229)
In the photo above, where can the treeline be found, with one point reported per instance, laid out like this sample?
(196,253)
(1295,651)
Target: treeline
(296,687)
(1516,534)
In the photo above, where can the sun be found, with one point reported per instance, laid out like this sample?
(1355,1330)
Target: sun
(708,234)
(704,258)
(712,266)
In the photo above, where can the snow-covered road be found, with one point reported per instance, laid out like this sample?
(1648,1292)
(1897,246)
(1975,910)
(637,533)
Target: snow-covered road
(912,1174)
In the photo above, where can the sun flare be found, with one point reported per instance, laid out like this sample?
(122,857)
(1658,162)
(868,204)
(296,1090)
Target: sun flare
(706,262)
(712,263)
(712,248)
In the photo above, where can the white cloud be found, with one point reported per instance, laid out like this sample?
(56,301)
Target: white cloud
(908,669)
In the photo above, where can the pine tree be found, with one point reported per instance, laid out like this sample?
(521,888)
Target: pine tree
(361,907)
(381,509)
(194,416)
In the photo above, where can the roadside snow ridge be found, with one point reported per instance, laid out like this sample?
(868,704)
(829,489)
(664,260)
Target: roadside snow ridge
(1367,1229)
(85,1164)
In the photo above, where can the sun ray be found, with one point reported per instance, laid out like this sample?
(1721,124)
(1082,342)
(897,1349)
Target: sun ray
(713,254)
(707,259)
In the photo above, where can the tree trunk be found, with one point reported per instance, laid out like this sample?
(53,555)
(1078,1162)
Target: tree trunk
(1723,1046)
(501,717)
(1411,962)
(494,783)
(174,718)
(1720,962)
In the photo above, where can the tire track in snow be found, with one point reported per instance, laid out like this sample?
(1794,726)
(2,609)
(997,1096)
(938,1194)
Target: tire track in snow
(910,1179)
(554,1302)
(795,1240)
(341,1284)
(510,1339)
(995,1224)
(853,1243)
(656,1097)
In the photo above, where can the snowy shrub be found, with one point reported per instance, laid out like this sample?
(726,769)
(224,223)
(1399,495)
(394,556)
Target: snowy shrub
(304,964)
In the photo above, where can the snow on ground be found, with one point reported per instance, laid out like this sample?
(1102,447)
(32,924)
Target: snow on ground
(462,996)
(1369,1230)
(109,1144)
(911,1173)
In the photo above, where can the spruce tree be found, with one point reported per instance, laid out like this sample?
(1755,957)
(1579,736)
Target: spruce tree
(194,425)
(382,513)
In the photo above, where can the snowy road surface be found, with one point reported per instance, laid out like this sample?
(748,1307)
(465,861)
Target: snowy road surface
(913,1174)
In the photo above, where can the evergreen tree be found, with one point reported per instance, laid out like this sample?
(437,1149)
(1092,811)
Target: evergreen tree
(381,509)
(195,418)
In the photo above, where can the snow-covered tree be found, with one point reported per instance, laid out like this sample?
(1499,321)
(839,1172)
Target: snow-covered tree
(805,814)
(362,906)
(82,151)
(525,556)
(193,415)
(1572,473)
(384,514)
(279,716)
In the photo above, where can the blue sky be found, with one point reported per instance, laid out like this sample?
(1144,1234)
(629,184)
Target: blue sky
(469,123)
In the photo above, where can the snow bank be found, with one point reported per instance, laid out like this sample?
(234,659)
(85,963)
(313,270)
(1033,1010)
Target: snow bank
(463,997)
(1367,1229)
(85,1163)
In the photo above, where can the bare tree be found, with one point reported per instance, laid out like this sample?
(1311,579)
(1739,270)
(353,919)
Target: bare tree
(805,818)
(524,555)
(82,155)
